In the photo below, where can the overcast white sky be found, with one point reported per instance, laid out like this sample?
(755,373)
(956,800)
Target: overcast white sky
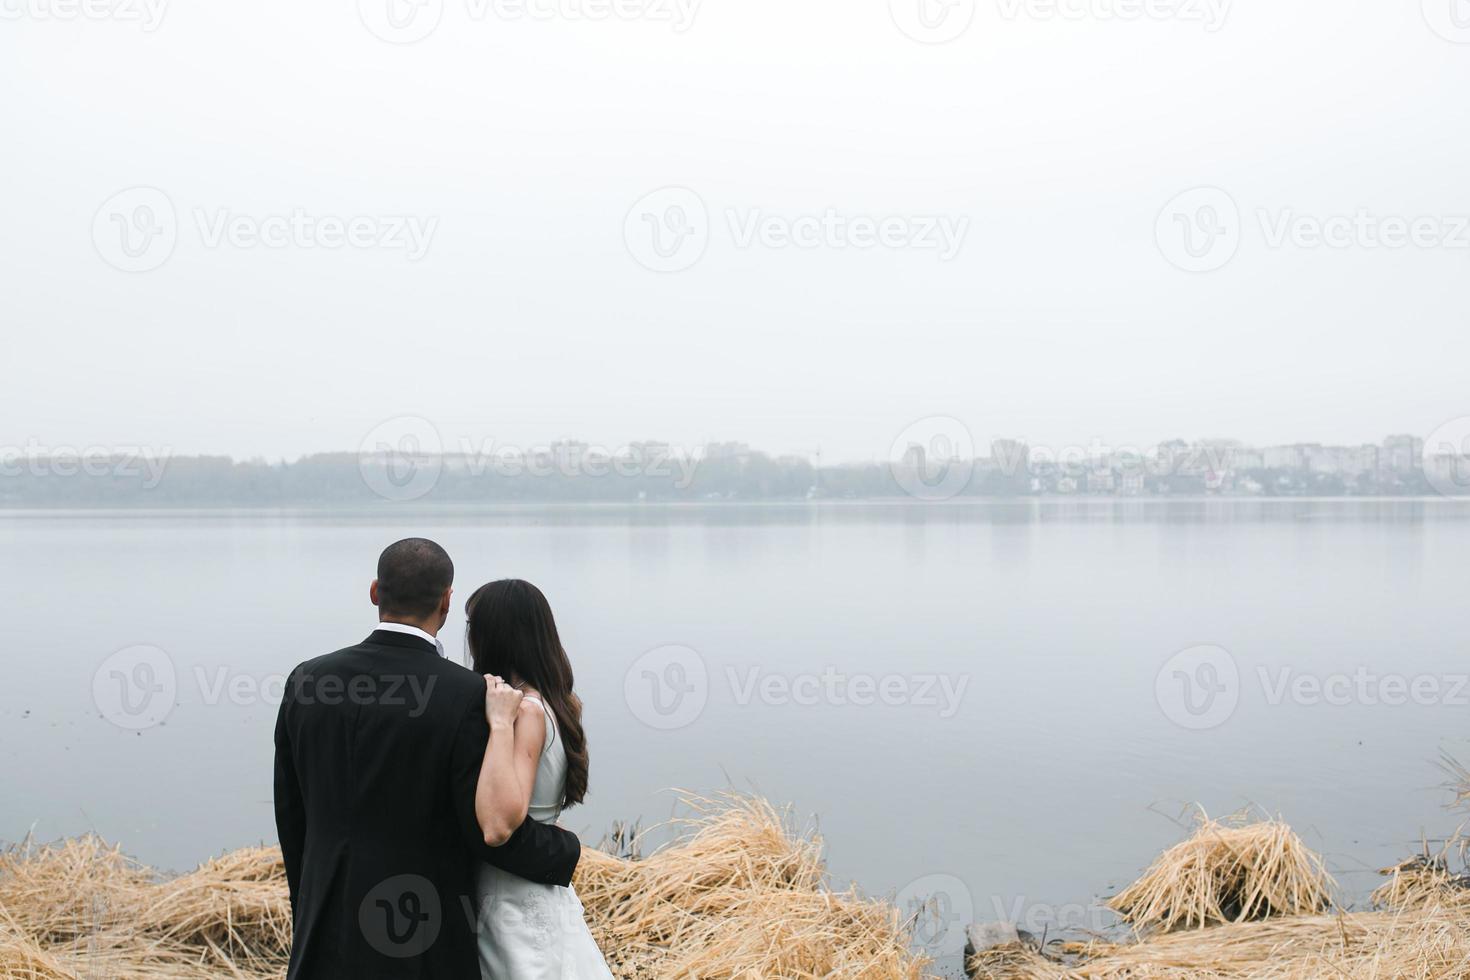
(526,141)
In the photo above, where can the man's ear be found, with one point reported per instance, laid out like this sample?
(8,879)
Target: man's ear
(373,592)
(444,602)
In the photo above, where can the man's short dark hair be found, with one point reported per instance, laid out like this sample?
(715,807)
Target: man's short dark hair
(413,575)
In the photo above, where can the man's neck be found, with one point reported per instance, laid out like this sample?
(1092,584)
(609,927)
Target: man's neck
(430,628)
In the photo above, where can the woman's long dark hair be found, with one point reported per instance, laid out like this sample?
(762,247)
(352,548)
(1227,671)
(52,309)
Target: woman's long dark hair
(512,635)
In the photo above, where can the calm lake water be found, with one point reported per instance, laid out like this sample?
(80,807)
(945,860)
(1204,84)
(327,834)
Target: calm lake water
(976,701)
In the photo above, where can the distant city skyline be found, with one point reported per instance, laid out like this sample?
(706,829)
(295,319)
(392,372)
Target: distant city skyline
(405,434)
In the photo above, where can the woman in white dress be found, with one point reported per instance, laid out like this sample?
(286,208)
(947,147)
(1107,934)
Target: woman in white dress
(535,766)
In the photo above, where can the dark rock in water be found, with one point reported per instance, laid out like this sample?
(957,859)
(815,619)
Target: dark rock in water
(982,936)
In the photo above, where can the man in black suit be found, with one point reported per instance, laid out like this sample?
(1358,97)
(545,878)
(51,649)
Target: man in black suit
(378,749)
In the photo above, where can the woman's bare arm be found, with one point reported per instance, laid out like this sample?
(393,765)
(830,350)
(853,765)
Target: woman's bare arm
(508,772)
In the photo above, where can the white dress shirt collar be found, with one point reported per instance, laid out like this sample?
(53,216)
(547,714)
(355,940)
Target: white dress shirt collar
(413,631)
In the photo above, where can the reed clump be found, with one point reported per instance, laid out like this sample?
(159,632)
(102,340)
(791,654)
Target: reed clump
(739,894)
(1245,899)
(1231,870)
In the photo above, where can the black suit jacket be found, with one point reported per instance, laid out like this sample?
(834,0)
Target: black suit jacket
(378,749)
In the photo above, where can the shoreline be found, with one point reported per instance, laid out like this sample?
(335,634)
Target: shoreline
(741,892)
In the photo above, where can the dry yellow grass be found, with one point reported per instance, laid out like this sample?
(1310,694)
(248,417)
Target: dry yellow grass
(1247,901)
(1231,870)
(741,895)
(1423,883)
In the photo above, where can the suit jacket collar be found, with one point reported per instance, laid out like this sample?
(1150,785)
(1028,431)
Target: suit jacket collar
(391,638)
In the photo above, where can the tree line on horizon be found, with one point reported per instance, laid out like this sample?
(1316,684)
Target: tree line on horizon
(749,475)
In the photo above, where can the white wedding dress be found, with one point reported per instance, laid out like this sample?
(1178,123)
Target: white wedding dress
(529,931)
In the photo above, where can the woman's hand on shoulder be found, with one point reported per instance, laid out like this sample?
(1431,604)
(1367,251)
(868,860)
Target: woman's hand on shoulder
(502,702)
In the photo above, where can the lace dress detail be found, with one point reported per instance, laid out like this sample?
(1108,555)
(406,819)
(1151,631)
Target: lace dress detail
(529,931)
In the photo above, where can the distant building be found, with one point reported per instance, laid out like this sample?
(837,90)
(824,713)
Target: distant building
(1401,454)
(1342,460)
(1285,457)
(1245,458)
